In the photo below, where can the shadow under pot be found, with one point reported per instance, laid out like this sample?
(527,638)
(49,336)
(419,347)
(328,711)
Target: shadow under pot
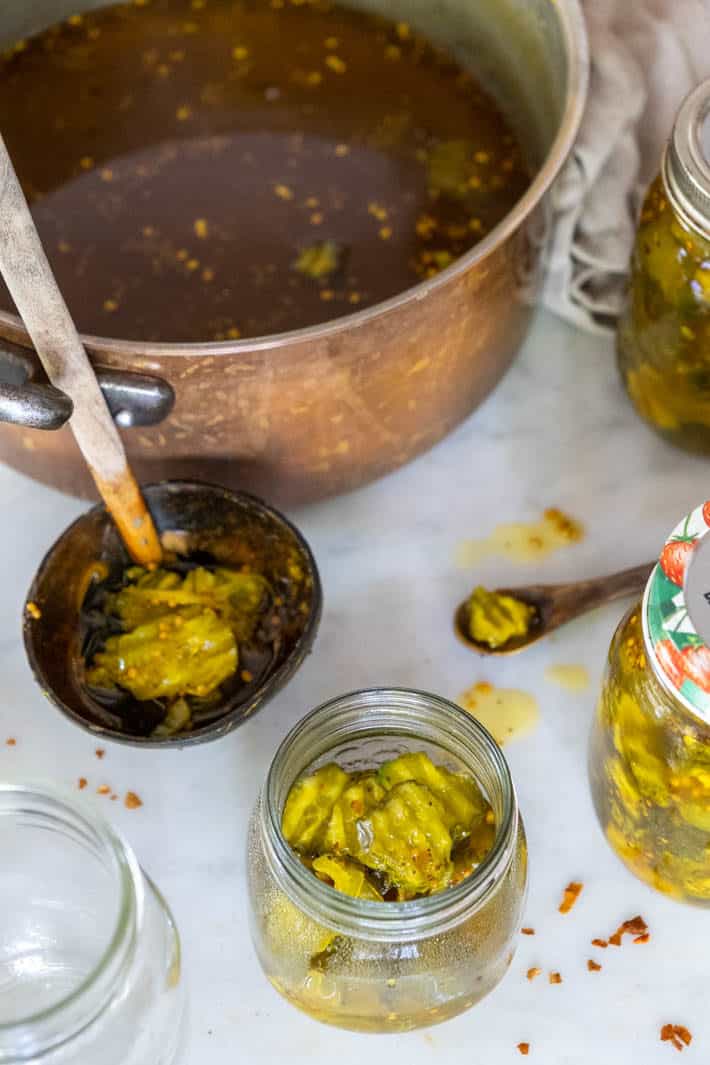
(383,966)
(200,522)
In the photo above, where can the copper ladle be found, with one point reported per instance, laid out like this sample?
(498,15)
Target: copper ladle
(556,604)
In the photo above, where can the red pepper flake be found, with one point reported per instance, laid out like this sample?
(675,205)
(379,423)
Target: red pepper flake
(555,978)
(82,783)
(527,931)
(524,1048)
(677,1034)
(571,894)
(11,742)
(100,752)
(132,801)
(603,943)
(533,973)
(593,966)
(104,789)
(635,927)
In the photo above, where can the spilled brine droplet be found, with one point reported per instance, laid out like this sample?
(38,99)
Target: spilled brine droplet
(523,541)
(571,678)
(506,712)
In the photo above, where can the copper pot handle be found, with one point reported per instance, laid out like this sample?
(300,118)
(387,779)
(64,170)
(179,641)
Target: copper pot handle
(133,399)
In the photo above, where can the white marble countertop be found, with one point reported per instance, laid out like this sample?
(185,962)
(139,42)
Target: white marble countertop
(558,431)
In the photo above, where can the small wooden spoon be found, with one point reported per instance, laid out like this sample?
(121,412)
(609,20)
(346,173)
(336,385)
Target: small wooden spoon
(29,278)
(556,604)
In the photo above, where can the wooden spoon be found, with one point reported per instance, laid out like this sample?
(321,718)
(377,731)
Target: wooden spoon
(33,287)
(556,604)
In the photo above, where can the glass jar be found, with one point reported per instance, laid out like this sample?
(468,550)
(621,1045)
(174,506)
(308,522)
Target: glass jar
(649,755)
(664,334)
(89,953)
(399,965)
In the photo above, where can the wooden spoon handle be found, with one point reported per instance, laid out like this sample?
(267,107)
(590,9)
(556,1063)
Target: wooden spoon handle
(571,600)
(628,582)
(32,285)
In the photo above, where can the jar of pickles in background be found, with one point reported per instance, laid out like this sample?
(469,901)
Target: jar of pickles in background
(649,758)
(664,335)
(353,948)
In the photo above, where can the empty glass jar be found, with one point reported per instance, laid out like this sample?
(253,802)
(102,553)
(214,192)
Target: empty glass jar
(89,953)
(399,965)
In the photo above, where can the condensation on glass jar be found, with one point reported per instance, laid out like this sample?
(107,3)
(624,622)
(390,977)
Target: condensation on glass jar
(649,754)
(664,334)
(399,965)
(89,953)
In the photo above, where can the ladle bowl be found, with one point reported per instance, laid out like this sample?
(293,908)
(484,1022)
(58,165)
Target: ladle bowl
(232,527)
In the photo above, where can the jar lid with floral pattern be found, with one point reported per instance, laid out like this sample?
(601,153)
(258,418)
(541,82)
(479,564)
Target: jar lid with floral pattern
(676,613)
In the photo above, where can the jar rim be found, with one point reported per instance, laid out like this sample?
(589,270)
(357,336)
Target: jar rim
(413,918)
(41,1031)
(685,168)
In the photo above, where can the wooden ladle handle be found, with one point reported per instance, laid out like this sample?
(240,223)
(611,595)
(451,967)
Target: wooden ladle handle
(568,601)
(32,285)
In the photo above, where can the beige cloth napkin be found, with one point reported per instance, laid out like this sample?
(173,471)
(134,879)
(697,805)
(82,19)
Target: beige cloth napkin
(646,56)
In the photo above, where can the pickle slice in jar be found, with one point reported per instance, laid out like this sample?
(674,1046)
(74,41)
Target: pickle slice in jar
(357,800)
(469,853)
(292,931)
(346,876)
(407,840)
(461,801)
(309,807)
(638,742)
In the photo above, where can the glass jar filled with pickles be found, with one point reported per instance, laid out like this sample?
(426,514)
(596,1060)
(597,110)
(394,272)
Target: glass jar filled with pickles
(387,863)
(649,758)
(664,334)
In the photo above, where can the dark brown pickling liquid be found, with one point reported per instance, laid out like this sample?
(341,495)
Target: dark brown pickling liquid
(208,169)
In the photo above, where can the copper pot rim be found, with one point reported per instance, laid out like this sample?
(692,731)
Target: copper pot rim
(574,30)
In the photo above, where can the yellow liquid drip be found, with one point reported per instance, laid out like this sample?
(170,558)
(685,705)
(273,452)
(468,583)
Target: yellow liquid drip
(523,542)
(506,712)
(571,678)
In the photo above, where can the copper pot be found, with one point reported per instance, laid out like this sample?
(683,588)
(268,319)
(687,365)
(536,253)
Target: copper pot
(321,410)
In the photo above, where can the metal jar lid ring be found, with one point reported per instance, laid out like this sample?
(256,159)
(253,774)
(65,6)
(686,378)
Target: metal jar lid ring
(686,168)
